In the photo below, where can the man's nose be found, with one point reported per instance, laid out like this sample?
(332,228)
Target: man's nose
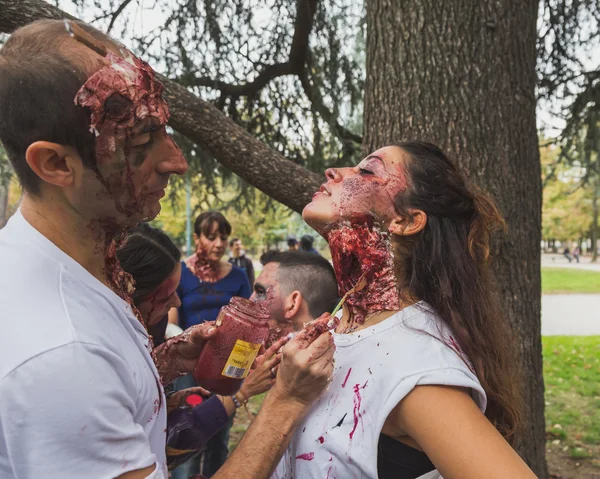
(170,158)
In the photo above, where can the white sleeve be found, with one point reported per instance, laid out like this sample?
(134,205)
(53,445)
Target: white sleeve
(69,413)
(448,376)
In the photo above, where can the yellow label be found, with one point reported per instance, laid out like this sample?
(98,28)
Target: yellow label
(240,360)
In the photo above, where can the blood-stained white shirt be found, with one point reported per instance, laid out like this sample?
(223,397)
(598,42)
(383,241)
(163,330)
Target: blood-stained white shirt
(375,368)
(79,393)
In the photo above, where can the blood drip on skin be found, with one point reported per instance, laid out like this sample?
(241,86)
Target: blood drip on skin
(359,248)
(202,267)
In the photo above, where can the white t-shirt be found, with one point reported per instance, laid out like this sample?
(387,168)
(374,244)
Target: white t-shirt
(375,369)
(79,393)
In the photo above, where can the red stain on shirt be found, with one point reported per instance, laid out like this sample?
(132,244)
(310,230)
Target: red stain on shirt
(347,376)
(308,456)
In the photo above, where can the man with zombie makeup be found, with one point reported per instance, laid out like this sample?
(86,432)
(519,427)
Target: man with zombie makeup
(296,288)
(83,124)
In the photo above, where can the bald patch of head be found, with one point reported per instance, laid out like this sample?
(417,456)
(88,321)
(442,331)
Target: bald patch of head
(50,37)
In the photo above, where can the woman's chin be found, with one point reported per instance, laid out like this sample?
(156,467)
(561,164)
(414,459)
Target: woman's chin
(319,217)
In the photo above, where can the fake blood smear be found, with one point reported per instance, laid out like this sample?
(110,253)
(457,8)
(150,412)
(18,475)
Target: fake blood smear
(204,269)
(359,248)
(347,376)
(308,456)
(357,412)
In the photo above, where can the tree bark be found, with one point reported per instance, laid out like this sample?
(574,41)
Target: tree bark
(461,74)
(251,159)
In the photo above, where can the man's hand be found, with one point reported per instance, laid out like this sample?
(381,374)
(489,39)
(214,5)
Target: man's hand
(178,355)
(178,398)
(192,341)
(306,368)
(262,377)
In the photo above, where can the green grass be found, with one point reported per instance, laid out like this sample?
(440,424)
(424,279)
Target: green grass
(572,377)
(562,280)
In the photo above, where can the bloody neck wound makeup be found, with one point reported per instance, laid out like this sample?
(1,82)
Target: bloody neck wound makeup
(359,248)
(202,267)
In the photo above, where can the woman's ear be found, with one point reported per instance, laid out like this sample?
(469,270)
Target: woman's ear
(408,225)
(53,163)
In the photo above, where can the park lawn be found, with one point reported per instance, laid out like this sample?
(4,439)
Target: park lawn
(572,378)
(562,280)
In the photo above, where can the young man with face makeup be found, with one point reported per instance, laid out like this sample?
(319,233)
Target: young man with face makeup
(83,124)
(296,288)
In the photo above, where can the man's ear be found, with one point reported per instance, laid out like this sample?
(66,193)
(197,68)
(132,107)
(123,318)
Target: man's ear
(292,304)
(408,225)
(55,164)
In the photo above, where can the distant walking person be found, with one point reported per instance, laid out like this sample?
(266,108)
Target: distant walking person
(567,254)
(577,253)
(239,259)
(306,244)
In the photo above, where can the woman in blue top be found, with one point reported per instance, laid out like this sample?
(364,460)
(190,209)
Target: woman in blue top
(207,284)
(208,281)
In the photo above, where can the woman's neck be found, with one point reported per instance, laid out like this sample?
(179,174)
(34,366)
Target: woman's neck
(360,249)
(204,269)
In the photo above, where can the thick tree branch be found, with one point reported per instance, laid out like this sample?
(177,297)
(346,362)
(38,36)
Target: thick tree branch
(201,122)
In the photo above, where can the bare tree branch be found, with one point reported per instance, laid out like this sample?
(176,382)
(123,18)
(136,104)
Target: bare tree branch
(293,66)
(116,14)
(254,161)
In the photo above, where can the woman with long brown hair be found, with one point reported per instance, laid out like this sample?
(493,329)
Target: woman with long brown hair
(425,379)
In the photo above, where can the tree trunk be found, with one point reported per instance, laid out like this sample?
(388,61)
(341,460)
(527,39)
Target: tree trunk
(260,165)
(461,74)
(595,229)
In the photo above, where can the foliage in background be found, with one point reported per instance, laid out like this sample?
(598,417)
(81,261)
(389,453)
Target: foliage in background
(567,207)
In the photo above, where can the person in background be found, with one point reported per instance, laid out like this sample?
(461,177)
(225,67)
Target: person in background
(567,254)
(207,284)
(153,261)
(239,259)
(296,288)
(292,243)
(306,244)
(576,253)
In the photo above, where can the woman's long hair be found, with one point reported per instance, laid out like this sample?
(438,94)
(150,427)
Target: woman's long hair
(447,267)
